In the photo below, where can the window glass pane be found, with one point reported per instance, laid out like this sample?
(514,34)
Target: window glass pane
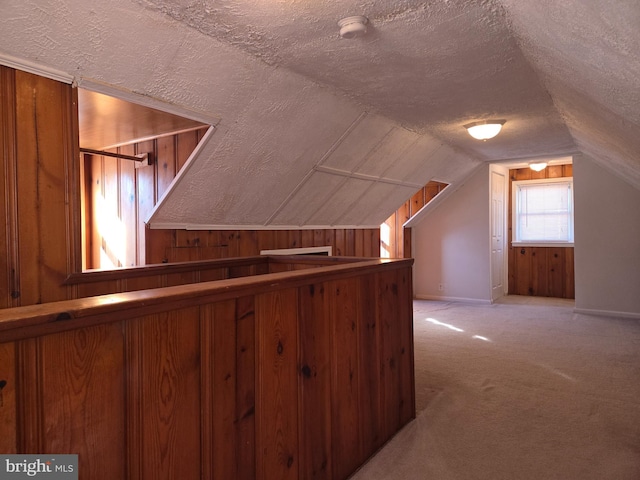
(544,212)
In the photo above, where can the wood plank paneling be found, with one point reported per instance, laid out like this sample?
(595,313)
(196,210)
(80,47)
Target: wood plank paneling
(371,243)
(128,211)
(358,248)
(404,310)
(417,202)
(42,184)
(283,382)
(295,238)
(95,173)
(222,375)
(138,192)
(98,288)
(245,394)
(522,275)
(390,355)
(554,171)
(112,233)
(431,189)
(232,240)
(540,270)
(340,247)
(228,373)
(183,245)
(146,196)
(30,433)
(369,343)
(315,390)
(408,244)
(164,401)
(78,368)
(9,248)
(277,386)
(569,276)
(8,427)
(398,395)
(142,283)
(350,242)
(306,238)
(344,313)
(166,160)
(46,224)
(556,272)
(186,144)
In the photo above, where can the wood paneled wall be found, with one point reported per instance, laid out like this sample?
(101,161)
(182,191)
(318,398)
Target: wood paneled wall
(296,375)
(398,242)
(540,271)
(119,197)
(185,245)
(40,234)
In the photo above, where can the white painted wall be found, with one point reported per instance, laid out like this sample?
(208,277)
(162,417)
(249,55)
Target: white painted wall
(451,245)
(607,241)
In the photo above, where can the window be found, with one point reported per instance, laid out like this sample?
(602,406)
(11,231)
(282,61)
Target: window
(543,212)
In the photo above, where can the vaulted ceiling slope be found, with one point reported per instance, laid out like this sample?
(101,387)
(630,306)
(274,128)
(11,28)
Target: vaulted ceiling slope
(316,130)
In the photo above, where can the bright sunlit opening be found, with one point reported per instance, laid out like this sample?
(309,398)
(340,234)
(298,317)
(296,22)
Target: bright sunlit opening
(114,236)
(385,240)
(446,325)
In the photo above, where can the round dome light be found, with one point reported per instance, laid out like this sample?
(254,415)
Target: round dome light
(484,129)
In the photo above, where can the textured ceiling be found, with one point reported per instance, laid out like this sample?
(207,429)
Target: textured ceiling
(315,130)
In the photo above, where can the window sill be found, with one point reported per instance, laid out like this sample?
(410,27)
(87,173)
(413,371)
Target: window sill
(542,244)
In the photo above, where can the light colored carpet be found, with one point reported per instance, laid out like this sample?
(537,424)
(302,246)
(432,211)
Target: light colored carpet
(522,389)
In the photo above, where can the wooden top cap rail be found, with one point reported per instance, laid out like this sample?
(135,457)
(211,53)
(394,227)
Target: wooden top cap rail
(34,320)
(161,269)
(181,267)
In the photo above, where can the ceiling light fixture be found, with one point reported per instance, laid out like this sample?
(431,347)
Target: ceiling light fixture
(538,167)
(484,129)
(351,27)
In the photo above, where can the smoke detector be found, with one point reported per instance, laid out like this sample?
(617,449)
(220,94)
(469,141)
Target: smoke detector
(352,27)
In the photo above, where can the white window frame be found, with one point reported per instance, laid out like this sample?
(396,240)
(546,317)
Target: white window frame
(515,241)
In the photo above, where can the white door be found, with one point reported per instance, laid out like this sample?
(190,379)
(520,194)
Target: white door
(498,193)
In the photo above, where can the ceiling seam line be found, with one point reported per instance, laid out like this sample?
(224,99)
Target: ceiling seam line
(327,154)
(290,196)
(344,135)
(374,149)
(365,177)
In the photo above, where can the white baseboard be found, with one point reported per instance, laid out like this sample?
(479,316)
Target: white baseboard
(439,298)
(607,313)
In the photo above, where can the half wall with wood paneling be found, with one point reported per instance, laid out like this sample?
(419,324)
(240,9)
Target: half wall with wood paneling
(299,374)
(540,271)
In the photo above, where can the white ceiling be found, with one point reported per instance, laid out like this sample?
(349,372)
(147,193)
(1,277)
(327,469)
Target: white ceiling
(316,130)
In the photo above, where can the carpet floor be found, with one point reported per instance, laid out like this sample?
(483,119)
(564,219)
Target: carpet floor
(524,389)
